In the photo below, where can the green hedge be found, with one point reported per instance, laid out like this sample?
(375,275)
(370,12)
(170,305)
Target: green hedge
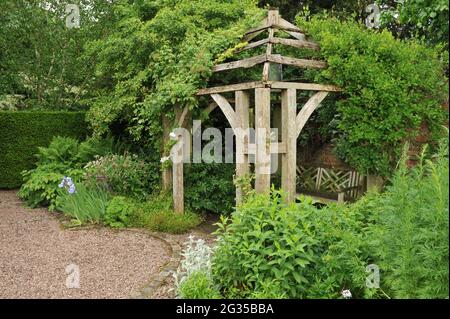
(21,133)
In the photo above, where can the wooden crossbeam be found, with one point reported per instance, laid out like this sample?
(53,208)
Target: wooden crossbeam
(303,63)
(275,40)
(303,86)
(292,29)
(308,109)
(232,88)
(244,63)
(226,109)
(269,84)
(296,43)
(253,45)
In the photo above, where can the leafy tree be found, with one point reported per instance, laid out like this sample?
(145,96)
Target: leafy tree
(158,55)
(40,57)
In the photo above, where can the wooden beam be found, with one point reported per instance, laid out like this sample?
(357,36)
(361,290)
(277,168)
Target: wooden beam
(253,33)
(226,109)
(253,45)
(302,63)
(242,139)
(178,177)
(266,67)
(232,88)
(304,86)
(262,135)
(296,43)
(292,29)
(273,17)
(308,109)
(289,137)
(244,63)
(182,117)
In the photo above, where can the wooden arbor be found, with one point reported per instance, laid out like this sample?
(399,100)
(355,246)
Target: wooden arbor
(292,122)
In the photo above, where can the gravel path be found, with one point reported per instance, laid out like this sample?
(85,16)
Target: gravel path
(35,251)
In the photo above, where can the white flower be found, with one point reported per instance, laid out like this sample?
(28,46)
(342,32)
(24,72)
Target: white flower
(172,135)
(164,159)
(346,294)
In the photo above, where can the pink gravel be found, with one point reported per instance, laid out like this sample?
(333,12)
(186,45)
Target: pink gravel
(35,251)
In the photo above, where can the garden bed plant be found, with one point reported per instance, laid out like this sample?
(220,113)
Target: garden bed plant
(91,184)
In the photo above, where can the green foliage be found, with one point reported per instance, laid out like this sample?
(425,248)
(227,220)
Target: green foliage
(157,214)
(410,234)
(209,187)
(86,205)
(118,211)
(125,175)
(41,184)
(70,152)
(65,156)
(157,56)
(287,245)
(198,286)
(317,253)
(391,87)
(422,19)
(45,67)
(23,132)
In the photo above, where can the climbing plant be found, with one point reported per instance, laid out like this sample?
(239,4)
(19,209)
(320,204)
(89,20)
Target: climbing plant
(390,88)
(160,53)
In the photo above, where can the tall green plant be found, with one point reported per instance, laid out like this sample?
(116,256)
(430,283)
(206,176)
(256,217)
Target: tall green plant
(410,233)
(86,205)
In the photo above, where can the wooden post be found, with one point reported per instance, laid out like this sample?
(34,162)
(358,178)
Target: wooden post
(242,117)
(289,137)
(178,178)
(262,133)
(167,172)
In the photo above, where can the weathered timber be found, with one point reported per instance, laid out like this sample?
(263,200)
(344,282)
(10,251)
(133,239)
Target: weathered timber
(308,109)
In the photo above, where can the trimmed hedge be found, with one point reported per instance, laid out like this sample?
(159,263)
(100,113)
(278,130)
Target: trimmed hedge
(22,132)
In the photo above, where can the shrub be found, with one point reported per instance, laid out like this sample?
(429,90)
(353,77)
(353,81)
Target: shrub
(318,253)
(41,184)
(24,131)
(124,175)
(86,205)
(70,152)
(62,150)
(119,211)
(63,157)
(410,234)
(209,187)
(390,88)
(302,250)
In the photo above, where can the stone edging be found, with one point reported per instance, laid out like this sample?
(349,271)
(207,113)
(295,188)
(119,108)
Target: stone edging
(157,280)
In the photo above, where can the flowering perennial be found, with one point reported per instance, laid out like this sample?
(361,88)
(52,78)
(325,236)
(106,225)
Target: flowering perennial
(68,184)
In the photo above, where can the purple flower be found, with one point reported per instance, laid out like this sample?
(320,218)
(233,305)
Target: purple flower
(71,189)
(68,184)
